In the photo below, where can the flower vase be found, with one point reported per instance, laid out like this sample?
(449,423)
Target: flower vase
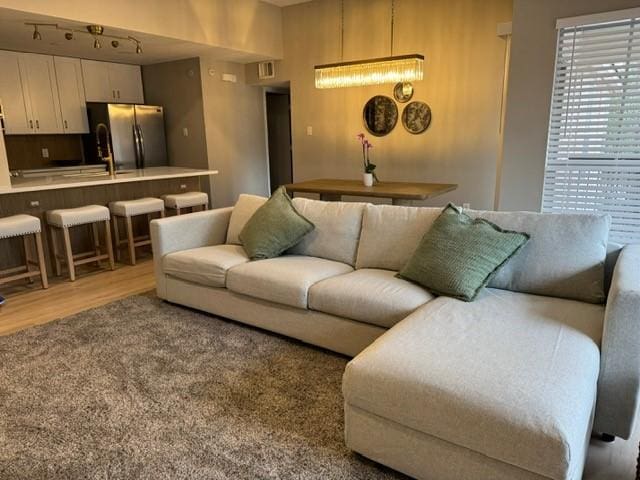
(367,179)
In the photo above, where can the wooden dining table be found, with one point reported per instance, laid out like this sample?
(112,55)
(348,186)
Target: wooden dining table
(400,193)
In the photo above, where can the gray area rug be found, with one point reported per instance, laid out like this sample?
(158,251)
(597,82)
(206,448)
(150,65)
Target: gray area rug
(141,389)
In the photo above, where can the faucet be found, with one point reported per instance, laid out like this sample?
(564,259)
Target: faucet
(109,157)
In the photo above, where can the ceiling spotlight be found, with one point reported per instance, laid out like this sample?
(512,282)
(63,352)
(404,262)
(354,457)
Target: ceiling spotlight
(68,35)
(36,33)
(97,44)
(138,48)
(115,43)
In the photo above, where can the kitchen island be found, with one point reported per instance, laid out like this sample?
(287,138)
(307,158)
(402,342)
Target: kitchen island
(37,194)
(57,181)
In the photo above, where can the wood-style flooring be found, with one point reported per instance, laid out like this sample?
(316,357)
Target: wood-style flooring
(28,306)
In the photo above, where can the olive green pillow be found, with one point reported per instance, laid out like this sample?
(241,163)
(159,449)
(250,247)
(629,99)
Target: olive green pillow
(458,256)
(274,227)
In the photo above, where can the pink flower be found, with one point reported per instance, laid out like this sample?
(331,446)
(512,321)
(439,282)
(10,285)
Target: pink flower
(361,138)
(367,144)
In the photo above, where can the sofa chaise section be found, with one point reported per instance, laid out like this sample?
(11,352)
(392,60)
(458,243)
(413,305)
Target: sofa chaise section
(511,377)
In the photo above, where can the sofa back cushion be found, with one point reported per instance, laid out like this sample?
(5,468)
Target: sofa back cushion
(564,257)
(243,210)
(390,234)
(337,229)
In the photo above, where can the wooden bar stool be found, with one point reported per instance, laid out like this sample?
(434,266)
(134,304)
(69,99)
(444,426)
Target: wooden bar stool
(126,209)
(178,201)
(24,226)
(63,219)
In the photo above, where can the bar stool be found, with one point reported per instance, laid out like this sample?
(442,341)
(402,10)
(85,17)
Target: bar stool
(126,209)
(62,220)
(24,226)
(178,201)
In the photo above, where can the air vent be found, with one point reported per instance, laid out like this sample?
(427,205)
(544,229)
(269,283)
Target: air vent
(266,70)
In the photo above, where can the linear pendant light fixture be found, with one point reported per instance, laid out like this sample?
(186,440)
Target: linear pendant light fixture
(376,71)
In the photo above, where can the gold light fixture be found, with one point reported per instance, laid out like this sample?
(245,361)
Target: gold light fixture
(376,71)
(96,31)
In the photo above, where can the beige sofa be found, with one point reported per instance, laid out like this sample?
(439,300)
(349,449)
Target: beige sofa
(507,387)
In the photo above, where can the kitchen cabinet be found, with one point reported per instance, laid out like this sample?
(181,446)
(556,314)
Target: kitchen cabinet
(41,91)
(112,82)
(13,102)
(71,93)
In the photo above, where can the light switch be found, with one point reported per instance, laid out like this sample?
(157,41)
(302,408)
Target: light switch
(45,153)
(185,132)
(309,130)
(229,77)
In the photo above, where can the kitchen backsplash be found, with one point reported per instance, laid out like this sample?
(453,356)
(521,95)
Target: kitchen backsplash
(26,152)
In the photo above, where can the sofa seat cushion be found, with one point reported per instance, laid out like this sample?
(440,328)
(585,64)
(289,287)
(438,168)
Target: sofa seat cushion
(285,279)
(511,376)
(204,265)
(368,295)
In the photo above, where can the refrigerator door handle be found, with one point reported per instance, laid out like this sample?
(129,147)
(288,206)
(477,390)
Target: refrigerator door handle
(141,137)
(136,142)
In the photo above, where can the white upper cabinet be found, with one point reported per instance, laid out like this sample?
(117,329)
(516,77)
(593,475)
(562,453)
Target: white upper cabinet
(112,82)
(17,112)
(71,92)
(40,86)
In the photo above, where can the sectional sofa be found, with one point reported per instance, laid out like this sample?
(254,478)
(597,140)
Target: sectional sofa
(509,386)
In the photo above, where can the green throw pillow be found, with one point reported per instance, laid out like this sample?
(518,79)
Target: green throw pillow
(458,256)
(274,227)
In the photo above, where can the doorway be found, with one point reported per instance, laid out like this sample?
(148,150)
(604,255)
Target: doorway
(278,106)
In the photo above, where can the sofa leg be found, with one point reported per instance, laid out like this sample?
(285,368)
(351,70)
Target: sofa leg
(605,437)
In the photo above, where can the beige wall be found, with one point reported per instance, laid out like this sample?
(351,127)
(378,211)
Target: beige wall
(249,26)
(235,132)
(463,79)
(529,97)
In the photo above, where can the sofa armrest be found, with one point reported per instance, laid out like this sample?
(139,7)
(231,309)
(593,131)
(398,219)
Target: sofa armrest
(184,232)
(619,381)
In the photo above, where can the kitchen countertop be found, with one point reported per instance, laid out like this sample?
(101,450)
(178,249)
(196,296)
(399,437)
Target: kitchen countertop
(60,181)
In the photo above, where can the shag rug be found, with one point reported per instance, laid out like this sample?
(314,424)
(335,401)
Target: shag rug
(141,389)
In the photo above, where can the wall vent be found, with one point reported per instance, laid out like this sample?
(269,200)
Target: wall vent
(266,70)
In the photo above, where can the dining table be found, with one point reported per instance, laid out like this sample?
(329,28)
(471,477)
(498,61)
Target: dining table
(400,193)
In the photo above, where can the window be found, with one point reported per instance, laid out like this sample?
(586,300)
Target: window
(593,151)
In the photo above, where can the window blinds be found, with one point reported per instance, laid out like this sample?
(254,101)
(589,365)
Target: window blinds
(593,151)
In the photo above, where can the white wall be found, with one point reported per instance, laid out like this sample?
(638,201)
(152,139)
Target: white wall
(235,132)
(249,26)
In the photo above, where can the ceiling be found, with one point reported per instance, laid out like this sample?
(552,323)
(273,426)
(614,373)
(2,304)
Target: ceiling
(15,35)
(285,3)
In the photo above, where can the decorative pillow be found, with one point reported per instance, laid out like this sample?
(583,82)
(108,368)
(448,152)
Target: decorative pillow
(275,227)
(244,208)
(458,255)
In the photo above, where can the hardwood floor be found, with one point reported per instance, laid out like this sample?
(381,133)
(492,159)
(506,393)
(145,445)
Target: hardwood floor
(29,305)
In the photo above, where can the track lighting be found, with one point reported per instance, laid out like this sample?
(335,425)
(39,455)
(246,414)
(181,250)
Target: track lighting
(96,31)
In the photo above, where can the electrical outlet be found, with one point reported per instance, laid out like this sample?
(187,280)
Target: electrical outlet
(45,153)
(309,130)
(229,77)
(466,206)
(183,186)
(34,203)
(185,132)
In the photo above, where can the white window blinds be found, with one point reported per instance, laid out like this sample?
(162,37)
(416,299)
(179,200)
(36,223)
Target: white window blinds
(593,152)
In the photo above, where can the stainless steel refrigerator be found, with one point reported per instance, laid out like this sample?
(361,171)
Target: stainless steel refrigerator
(136,133)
